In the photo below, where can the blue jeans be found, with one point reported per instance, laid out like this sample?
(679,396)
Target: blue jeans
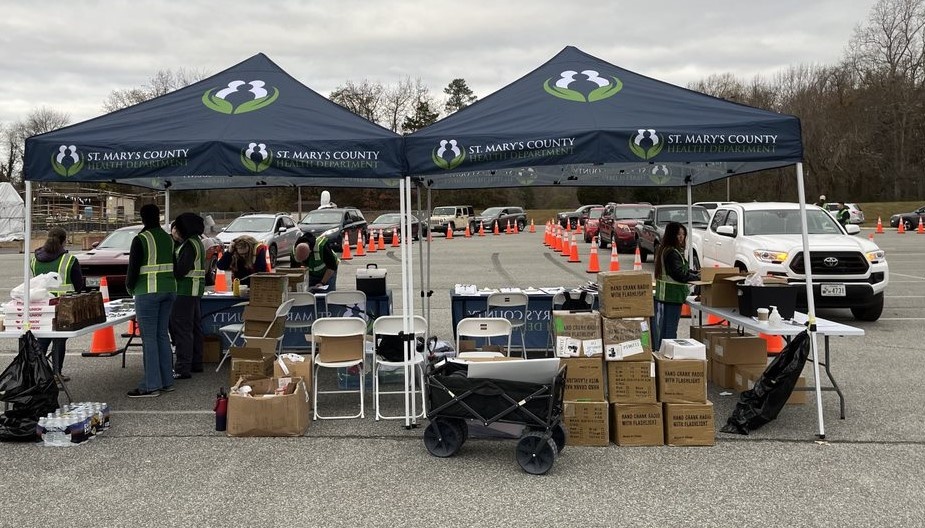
(667,316)
(58,346)
(152,310)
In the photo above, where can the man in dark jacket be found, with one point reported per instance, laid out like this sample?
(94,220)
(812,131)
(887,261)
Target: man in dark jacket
(189,270)
(318,256)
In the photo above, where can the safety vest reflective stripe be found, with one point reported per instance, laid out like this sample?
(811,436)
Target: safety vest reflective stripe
(669,290)
(193,283)
(65,264)
(151,269)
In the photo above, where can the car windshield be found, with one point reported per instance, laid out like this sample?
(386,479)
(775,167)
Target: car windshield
(631,213)
(787,222)
(679,214)
(444,211)
(121,239)
(322,217)
(596,213)
(388,218)
(492,211)
(249,224)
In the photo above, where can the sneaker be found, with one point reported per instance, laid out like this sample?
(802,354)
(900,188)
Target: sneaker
(138,393)
(177,375)
(168,389)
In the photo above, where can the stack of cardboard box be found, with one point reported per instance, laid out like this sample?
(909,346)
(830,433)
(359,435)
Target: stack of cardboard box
(681,380)
(267,292)
(578,344)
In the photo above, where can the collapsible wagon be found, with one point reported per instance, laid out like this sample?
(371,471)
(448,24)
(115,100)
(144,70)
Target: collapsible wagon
(453,398)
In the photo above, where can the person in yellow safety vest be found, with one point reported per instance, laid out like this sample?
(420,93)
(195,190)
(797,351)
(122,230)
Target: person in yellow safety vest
(843,215)
(672,273)
(53,256)
(189,270)
(150,279)
(318,256)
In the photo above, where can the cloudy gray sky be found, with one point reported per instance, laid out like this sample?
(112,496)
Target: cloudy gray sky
(69,55)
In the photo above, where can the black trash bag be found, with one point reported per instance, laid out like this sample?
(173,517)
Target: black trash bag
(28,387)
(763,402)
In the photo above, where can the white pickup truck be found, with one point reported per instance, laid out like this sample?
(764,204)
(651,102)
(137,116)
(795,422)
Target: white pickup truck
(848,271)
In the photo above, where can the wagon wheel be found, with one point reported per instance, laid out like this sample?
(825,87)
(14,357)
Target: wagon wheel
(443,437)
(559,436)
(536,453)
(462,426)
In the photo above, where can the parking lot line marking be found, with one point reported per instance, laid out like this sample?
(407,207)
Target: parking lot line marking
(901,319)
(904,275)
(162,412)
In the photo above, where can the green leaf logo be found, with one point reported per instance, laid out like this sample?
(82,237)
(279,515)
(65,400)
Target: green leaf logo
(606,87)
(459,154)
(67,162)
(660,174)
(638,142)
(256,157)
(526,176)
(215,99)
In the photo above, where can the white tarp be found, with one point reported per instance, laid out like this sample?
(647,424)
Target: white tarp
(12,214)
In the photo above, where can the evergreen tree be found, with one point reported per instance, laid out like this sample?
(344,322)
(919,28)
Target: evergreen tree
(422,117)
(459,96)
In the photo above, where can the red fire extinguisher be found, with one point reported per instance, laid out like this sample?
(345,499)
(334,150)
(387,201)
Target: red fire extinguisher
(221,410)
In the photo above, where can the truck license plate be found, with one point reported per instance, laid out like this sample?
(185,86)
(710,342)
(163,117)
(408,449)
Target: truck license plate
(832,290)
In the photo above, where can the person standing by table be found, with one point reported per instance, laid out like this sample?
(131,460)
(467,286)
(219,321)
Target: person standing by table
(244,258)
(53,257)
(151,281)
(189,270)
(318,256)
(672,273)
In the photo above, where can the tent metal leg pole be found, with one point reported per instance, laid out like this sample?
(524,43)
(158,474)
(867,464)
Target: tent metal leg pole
(167,209)
(27,247)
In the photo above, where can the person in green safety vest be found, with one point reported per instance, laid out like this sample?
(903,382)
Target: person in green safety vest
(672,273)
(53,256)
(151,280)
(843,215)
(318,256)
(189,270)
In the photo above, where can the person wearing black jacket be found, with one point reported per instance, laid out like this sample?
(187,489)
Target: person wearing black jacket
(318,256)
(672,273)
(189,270)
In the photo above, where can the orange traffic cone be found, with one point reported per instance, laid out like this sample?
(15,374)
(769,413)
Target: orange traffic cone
(686,310)
(593,265)
(902,227)
(532,227)
(267,259)
(637,261)
(573,251)
(578,230)
(133,328)
(879,226)
(921,229)
(614,258)
(449,233)
(546,236)
(515,229)
(481,228)
(371,245)
(361,250)
(566,245)
(381,244)
(104,339)
(395,241)
(507,228)
(870,236)
(495,230)
(468,232)
(775,343)
(345,250)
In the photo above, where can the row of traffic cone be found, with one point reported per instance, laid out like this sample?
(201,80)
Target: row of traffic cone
(901,227)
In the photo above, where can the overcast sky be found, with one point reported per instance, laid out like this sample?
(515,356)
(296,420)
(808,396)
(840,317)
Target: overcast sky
(68,56)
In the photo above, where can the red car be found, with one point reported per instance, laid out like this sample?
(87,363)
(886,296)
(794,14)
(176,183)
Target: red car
(109,259)
(618,225)
(592,224)
(389,221)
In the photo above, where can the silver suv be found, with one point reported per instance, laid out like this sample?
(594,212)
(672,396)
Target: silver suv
(857,215)
(278,231)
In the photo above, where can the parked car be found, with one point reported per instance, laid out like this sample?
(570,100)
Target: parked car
(711,206)
(573,219)
(766,238)
(593,223)
(278,231)
(109,258)
(649,233)
(391,221)
(453,217)
(910,220)
(618,224)
(334,223)
(500,216)
(857,215)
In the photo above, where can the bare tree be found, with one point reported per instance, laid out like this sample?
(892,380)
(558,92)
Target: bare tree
(363,99)
(14,137)
(161,83)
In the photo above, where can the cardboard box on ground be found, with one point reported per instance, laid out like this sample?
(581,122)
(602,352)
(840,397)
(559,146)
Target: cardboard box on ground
(587,423)
(211,349)
(689,424)
(637,424)
(265,412)
(681,380)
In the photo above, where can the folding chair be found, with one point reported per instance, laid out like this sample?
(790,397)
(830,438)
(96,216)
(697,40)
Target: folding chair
(239,330)
(483,327)
(394,325)
(512,302)
(232,332)
(304,300)
(339,301)
(282,314)
(345,355)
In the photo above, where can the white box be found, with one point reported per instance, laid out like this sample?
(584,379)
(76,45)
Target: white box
(683,349)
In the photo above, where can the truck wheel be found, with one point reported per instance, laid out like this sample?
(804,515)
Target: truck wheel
(521,224)
(450,227)
(908,225)
(870,312)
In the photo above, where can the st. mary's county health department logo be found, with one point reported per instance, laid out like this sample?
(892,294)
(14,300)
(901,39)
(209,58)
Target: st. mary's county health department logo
(67,161)
(256,157)
(448,147)
(646,144)
(254,94)
(660,174)
(565,86)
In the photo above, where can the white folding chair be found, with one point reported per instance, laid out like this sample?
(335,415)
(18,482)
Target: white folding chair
(338,302)
(394,325)
(232,332)
(282,313)
(326,329)
(486,328)
(511,302)
(305,301)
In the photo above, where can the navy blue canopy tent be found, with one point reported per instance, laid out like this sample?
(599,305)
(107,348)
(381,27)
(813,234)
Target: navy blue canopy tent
(252,124)
(580,121)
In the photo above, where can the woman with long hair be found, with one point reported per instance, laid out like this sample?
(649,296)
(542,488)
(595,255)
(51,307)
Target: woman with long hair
(672,273)
(245,257)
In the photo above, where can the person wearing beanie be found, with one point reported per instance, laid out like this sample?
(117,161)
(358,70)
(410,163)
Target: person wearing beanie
(318,256)
(53,256)
(189,270)
(150,279)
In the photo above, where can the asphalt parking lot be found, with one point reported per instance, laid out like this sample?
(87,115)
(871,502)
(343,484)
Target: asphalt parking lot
(162,464)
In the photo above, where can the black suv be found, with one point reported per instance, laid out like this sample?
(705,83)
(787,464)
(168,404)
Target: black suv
(500,216)
(333,222)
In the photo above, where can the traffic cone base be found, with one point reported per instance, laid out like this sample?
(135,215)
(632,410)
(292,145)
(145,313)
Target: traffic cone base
(345,250)
(468,232)
(532,227)
(361,250)
(637,261)
(573,251)
(381,244)
(879,226)
(372,244)
(593,265)
(449,233)
(901,228)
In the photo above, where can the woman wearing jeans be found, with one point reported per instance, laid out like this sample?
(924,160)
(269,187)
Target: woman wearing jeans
(672,273)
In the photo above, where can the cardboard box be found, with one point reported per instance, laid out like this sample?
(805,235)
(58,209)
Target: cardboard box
(626,339)
(273,415)
(296,277)
(740,350)
(575,332)
(249,361)
(715,288)
(211,349)
(587,423)
(333,349)
(683,349)
(268,289)
(689,424)
(723,375)
(637,424)
(584,380)
(745,376)
(701,333)
(631,382)
(297,365)
(626,294)
(681,380)
(260,320)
